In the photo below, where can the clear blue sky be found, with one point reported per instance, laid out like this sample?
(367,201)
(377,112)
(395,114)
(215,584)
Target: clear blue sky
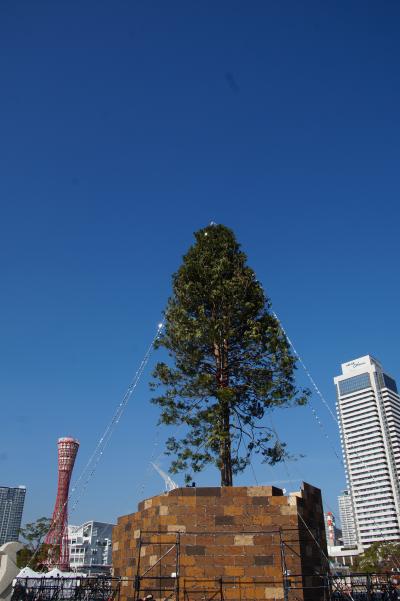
(126,126)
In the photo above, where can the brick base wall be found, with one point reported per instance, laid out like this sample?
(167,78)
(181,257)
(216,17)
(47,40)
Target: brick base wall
(232,543)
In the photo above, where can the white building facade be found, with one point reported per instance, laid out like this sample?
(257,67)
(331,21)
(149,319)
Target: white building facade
(90,547)
(343,557)
(368,409)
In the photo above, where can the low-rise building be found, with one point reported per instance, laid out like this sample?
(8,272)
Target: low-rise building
(90,547)
(342,558)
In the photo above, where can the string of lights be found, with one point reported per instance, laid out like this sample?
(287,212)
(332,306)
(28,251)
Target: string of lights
(321,396)
(90,468)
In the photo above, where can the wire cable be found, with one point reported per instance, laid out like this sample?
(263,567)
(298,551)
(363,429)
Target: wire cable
(104,440)
(350,445)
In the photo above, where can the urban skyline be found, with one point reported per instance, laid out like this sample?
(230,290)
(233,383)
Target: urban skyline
(354,387)
(123,134)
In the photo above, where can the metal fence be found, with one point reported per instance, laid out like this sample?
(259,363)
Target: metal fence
(95,588)
(327,587)
(364,587)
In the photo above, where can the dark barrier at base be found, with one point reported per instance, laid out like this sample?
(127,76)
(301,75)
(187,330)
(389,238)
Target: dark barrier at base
(351,587)
(57,589)
(364,587)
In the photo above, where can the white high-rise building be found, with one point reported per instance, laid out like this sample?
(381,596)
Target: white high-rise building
(349,534)
(369,418)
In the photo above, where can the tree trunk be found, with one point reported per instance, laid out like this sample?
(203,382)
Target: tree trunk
(221,358)
(225,451)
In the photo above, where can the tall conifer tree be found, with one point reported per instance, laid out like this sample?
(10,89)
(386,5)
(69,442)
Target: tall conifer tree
(231,362)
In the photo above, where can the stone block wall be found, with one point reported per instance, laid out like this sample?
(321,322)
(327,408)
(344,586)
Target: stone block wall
(231,543)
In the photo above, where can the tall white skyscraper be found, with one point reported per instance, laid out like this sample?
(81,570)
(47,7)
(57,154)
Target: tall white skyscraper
(369,417)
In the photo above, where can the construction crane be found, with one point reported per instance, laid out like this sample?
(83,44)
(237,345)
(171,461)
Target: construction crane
(169,483)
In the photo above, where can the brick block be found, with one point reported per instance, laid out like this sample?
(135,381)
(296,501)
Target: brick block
(263,560)
(262,501)
(176,528)
(185,561)
(195,572)
(208,492)
(224,520)
(188,491)
(264,491)
(232,594)
(234,571)
(195,550)
(187,501)
(234,491)
(244,539)
(234,510)
(278,501)
(273,592)
(244,560)
(262,520)
(263,539)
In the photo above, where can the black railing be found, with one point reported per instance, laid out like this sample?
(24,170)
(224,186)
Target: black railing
(364,587)
(96,588)
(327,587)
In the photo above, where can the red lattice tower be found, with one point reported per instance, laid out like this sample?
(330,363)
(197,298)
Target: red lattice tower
(57,536)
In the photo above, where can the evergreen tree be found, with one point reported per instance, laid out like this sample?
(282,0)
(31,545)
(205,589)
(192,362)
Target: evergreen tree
(231,362)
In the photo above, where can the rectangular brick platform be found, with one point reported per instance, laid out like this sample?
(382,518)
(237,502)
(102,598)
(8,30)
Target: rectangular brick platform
(229,543)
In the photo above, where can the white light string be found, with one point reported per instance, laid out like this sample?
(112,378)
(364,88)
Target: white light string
(292,481)
(105,438)
(156,460)
(319,393)
(350,444)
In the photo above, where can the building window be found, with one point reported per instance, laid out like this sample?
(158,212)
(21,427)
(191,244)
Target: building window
(387,382)
(355,383)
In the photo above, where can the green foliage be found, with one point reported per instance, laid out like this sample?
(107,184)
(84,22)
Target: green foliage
(36,561)
(379,557)
(34,552)
(231,361)
(34,533)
